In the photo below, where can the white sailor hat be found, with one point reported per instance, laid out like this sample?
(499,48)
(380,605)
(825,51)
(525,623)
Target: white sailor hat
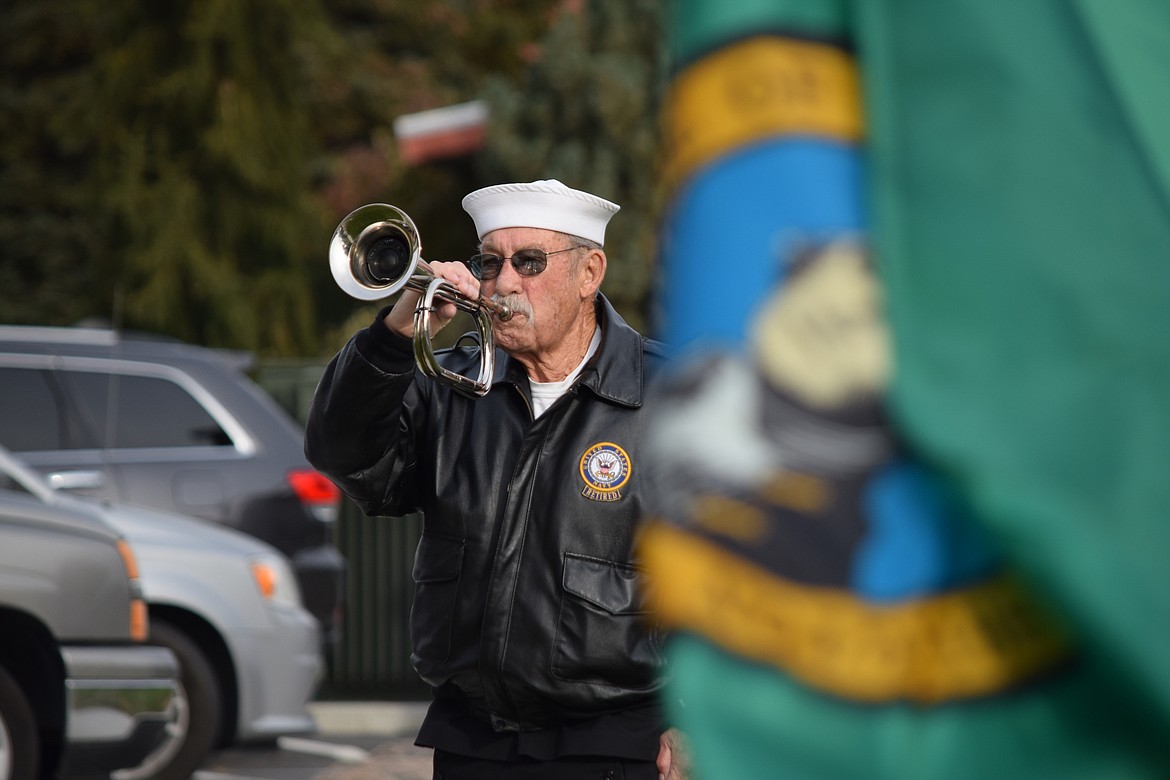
(546,204)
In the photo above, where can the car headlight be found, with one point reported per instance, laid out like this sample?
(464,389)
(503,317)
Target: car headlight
(274,579)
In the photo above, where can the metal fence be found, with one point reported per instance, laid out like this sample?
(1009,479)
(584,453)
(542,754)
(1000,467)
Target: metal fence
(373,656)
(372,659)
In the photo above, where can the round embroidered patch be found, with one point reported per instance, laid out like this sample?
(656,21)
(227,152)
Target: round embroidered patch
(605,467)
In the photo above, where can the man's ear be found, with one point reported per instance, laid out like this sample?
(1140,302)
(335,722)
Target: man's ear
(592,272)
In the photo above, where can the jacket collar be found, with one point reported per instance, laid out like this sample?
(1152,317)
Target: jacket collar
(614,373)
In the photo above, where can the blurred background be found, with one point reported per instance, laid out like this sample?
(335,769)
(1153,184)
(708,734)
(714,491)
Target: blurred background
(179,168)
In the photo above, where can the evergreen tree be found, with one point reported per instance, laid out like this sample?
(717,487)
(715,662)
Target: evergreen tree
(206,171)
(184,128)
(50,228)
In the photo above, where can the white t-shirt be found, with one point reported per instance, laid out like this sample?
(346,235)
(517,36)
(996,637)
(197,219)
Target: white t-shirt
(545,394)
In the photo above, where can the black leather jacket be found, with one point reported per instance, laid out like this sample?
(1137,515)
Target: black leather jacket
(526,598)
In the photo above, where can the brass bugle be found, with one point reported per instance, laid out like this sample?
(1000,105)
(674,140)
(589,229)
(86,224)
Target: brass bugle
(376,252)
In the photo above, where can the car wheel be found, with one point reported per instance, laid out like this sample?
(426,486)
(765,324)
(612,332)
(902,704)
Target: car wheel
(194,733)
(20,747)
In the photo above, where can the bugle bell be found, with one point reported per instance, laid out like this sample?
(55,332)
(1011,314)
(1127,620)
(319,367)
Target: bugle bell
(376,252)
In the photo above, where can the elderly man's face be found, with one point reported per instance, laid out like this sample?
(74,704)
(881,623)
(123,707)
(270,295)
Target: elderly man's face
(545,306)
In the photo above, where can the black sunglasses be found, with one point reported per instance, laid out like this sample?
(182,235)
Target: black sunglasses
(527,262)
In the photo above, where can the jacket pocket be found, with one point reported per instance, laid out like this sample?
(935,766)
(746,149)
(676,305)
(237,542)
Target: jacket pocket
(437,564)
(602,632)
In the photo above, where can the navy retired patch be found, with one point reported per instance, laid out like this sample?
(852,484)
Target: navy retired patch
(605,467)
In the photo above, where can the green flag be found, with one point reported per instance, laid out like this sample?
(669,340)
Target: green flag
(912,476)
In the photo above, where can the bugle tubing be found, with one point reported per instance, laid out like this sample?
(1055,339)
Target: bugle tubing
(376,252)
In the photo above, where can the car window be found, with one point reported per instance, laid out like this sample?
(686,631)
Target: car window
(143,411)
(33,414)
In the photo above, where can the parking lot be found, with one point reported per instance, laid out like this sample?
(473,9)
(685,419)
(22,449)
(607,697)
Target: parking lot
(354,741)
(174,469)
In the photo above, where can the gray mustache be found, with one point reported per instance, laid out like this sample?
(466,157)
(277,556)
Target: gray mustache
(517,303)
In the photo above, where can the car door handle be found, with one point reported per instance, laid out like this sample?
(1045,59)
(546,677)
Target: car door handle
(76,480)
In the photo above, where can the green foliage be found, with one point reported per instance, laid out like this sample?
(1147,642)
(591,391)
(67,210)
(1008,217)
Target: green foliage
(179,167)
(176,137)
(48,226)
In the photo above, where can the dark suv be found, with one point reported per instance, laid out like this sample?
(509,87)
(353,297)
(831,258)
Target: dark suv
(160,423)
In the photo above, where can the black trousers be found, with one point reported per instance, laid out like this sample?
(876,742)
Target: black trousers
(451,766)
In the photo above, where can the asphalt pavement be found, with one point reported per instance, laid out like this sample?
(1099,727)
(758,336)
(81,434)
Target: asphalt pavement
(394,724)
(353,741)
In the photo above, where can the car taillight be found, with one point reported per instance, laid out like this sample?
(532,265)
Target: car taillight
(316,492)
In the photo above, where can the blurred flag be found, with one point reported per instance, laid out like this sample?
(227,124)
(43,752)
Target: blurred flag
(911,468)
(439,133)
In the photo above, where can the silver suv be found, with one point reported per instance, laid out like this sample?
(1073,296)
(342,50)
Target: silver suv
(80,694)
(159,423)
(225,604)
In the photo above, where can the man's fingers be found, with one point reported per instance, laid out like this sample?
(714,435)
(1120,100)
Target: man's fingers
(459,276)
